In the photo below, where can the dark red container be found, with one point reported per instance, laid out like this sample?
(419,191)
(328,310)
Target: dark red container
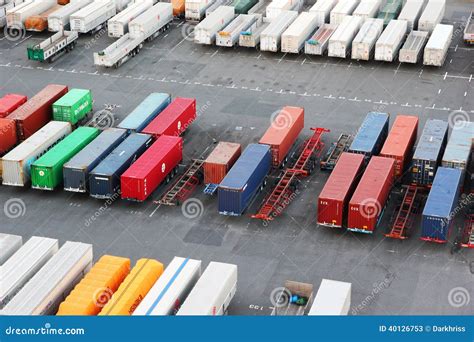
(153,166)
(8,137)
(174,119)
(368,202)
(37,111)
(10,102)
(400,142)
(333,200)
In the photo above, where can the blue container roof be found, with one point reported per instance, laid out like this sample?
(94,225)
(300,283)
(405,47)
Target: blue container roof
(143,111)
(245,166)
(460,143)
(431,140)
(443,193)
(369,132)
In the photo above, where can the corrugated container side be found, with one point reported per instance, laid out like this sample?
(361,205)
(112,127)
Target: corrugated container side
(459,148)
(9,244)
(371,135)
(8,138)
(219,162)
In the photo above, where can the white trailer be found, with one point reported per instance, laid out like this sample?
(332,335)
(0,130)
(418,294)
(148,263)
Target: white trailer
(59,20)
(322,9)
(271,37)
(432,15)
(24,264)
(469,30)
(251,37)
(436,49)
(364,42)
(120,5)
(9,244)
(53,47)
(171,289)
(293,39)
(341,10)
(412,50)
(391,40)
(333,299)
(117,26)
(195,10)
(340,42)
(275,8)
(205,32)
(93,17)
(3,13)
(16,16)
(229,36)
(367,9)
(216,4)
(16,163)
(318,43)
(213,292)
(53,282)
(411,13)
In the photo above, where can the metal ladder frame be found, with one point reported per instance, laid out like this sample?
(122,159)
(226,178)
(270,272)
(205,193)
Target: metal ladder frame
(404,218)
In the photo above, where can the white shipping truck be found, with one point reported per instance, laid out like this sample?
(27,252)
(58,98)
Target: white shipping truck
(412,50)
(367,9)
(93,17)
(411,12)
(195,10)
(333,299)
(293,39)
(322,9)
(9,244)
(205,32)
(271,37)
(117,26)
(432,15)
(364,42)
(318,43)
(17,16)
(341,10)
(59,20)
(340,44)
(229,36)
(436,49)
(390,41)
(53,47)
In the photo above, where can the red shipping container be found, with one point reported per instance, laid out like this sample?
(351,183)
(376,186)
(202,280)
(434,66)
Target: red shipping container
(219,162)
(400,142)
(174,119)
(10,102)
(37,111)
(368,202)
(153,166)
(283,132)
(8,137)
(333,200)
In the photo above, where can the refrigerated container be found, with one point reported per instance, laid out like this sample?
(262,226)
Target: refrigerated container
(39,22)
(342,9)
(9,244)
(104,179)
(363,45)
(74,106)
(251,37)
(412,50)
(436,50)
(93,16)
(332,299)
(241,184)
(213,291)
(390,11)
(322,9)
(171,289)
(318,43)
(117,26)
(340,43)
(432,15)
(49,286)
(216,4)
(367,205)
(270,38)
(367,9)
(147,27)
(17,15)
(400,142)
(243,6)
(196,9)
(16,164)
(229,36)
(276,7)
(205,32)
(10,102)
(60,19)
(371,135)
(294,37)
(145,112)
(333,201)
(220,161)
(429,151)
(440,208)
(459,148)
(390,41)
(3,12)
(8,138)
(155,166)
(411,12)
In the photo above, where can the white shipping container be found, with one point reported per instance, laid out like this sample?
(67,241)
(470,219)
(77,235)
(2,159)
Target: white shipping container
(271,37)
(24,264)
(16,163)
(213,292)
(205,32)
(3,13)
(364,42)
(229,36)
(171,289)
(391,40)
(341,40)
(120,5)
(333,299)
(9,244)
(251,37)
(413,47)
(17,15)
(53,282)
(59,20)
(275,8)
(148,24)
(93,16)
(293,39)
(323,8)
(196,9)
(432,15)
(318,43)
(367,9)
(411,13)
(117,26)
(437,47)
(216,4)
(341,10)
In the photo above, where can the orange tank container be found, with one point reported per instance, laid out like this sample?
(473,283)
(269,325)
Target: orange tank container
(39,23)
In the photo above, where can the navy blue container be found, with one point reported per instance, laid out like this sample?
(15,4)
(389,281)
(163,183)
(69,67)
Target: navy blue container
(440,206)
(76,171)
(146,111)
(371,135)
(104,180)
(429,151)
(244,179)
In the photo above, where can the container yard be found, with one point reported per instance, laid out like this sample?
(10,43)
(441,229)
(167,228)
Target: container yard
(270,38)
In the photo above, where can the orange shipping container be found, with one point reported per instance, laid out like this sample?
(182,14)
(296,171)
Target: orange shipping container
(178,7)
(39,23)
(219,162)
(134,288)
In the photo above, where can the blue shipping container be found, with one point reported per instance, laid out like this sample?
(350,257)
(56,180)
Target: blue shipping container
(371,135)
(104,180)
(244,179)
(428,153)
(146,111)
(76,171)
(440,206)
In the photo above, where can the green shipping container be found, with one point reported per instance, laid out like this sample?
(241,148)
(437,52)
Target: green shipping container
(47,171)
(74,106)
(390,11)
(243,6)
(35,54)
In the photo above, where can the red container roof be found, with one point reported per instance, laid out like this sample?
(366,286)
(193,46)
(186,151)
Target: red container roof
(282,125)
(167,117)
(400,135)
(11,100)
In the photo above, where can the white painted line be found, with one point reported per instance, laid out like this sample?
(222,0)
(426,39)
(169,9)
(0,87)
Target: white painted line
(445,75)
(439,91)
(215,53)
(154,211)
